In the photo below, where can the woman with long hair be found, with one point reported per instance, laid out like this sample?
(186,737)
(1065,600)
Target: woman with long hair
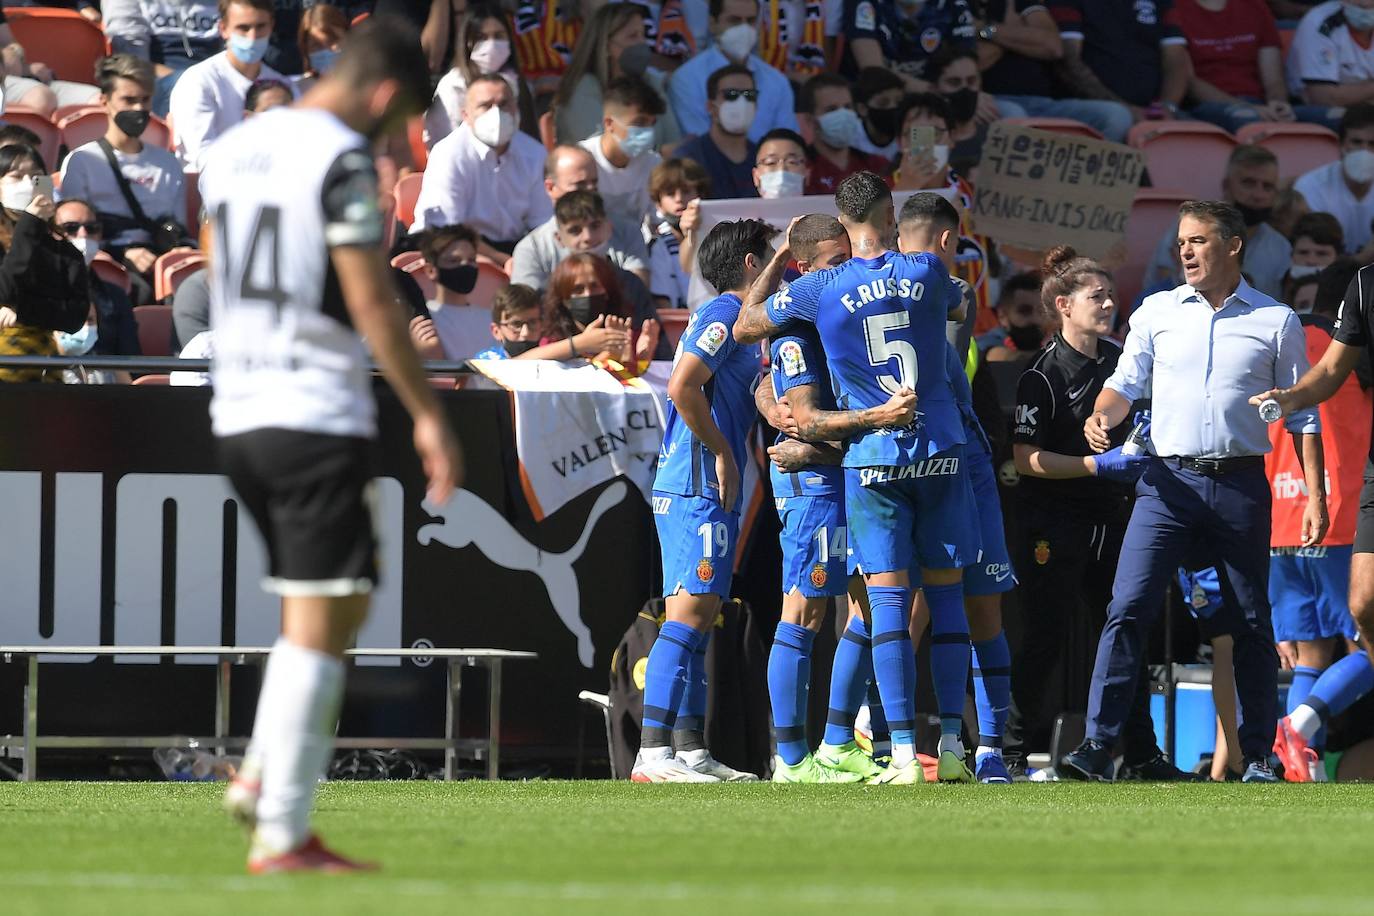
(322,31)
(586,306)
(482,44)
(612,45)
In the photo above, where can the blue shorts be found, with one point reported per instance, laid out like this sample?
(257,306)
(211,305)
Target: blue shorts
(1309,588)
(696,538)
(815,545)
(992,574)
(925,510)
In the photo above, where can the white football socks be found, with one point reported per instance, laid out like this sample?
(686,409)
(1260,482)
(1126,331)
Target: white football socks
(984,750)
(293,735)
(1305,721)
(903,754)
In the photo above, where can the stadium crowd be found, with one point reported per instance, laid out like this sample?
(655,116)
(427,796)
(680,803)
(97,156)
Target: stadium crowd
(547,204)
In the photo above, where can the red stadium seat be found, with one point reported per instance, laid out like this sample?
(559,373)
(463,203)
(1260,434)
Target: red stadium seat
(63,39)
(49,138)
(415,134)
(153,379)
(388,215)
(1153,213)
(85,126)
(490,278)
(412,262)
(193,202)
(164,284)
(674,322)
(1187,155)
(1300,147)
(111,271)
(64,112)
(407,192)
(1060,125)
(154,329)
(1286,37)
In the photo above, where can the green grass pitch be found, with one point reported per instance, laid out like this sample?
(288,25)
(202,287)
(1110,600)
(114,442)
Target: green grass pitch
(605,848)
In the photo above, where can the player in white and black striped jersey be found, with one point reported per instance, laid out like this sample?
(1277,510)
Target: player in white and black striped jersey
(298,279)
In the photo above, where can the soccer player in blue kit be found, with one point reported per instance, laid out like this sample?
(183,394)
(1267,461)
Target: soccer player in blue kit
(696,501)
(810,504)
(881,321)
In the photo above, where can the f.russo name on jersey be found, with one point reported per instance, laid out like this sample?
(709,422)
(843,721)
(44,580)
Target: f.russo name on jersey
(883,289)
(928,467)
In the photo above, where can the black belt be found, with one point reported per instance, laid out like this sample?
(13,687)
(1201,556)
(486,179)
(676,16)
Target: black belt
(1217,467)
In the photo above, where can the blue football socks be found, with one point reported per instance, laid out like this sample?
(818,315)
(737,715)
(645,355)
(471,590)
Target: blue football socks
(992,688)
(849,678)
(665,682)
(1340,686)
(789,679)
(894,666)
(689,733)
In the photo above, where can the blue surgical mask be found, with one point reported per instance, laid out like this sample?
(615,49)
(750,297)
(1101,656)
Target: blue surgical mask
(79,343)
(322,61)
(637,141)
(839,128)
(248,50)
(781,183)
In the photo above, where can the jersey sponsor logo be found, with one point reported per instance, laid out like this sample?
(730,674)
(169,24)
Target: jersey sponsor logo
(713,338)
(662,504)
(1288,485)
(929,467)
(1042,552)
(1026,417)
(1075,394)
(780,503)
(997,572)
(882,290)
(865,17)
(1311,553)
(819,576)
(792,359)
(781,299)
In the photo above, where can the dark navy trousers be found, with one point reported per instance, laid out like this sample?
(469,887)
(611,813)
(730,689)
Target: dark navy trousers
(1182,516)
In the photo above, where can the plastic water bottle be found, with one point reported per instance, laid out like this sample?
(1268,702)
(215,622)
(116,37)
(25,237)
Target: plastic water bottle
(1137,441)
(1269,410)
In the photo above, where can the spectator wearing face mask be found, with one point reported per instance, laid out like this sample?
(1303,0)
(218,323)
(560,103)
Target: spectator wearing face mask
(1021,325)
(624,152)
(208,98)
(1343,188)
(1331,61)
(455,327)
(318,37)
(878,98)
(954,74)
(826,104)
(725,151)
(612,45)
(1300,292)
(545,248)
(584,295)
(676,185)
(486,174)
(517,319)
(781,167)
(264,95)
(1317,242)
(902,35)
(43,279)
(484,39)
(149,173)
(115,331)
(172,35)
(31,83)
(734,28)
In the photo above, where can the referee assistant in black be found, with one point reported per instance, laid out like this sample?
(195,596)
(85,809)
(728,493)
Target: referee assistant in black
(1073,505)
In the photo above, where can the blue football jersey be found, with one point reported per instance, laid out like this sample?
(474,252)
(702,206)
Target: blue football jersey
(798,360)
(963,396)
(881,322)
(685,466)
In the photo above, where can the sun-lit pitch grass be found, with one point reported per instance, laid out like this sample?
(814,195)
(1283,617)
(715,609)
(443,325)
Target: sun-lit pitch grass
(602,848)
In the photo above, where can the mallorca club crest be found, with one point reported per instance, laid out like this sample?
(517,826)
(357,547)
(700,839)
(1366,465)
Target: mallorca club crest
(705,571)
(1042,552)
(819,576)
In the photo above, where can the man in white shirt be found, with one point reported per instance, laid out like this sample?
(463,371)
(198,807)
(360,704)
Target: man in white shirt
(486,174)
(208,99)
(1331,61)
(1343,188)
(456,327)
(152,175)
(623,151)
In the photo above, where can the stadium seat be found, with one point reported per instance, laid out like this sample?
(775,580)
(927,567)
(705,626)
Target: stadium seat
(674,322)
(193,202)
(1300,147)
(412,263)
(63,39)
(153,379)
(547,131)
(415,134)
(163,287)
(1059,125)
(1153,213)
(84,126)
(154,329)
(388,215)
(111,271)
(1286,37)
(490,278)
(49,138)
(407,192)
(1184,155)
(359,19)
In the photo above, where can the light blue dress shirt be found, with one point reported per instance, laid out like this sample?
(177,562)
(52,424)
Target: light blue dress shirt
(687,93)
(1206,365)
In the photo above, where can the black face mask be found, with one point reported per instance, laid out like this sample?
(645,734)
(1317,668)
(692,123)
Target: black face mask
(674,220)
(1026,337)
(514,348)
(584,309)
(132,123)
(963,103)
(886,121)
(1253,216)
(460,279)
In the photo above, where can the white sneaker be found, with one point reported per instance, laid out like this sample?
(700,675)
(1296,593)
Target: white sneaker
(703,762)
(666,769)
(241,797)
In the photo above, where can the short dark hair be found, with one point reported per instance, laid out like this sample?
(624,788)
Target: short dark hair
(809,231)
(434,240)
(713,81)
(1222,215)
(715,6)
(721,255)
(783,133)
(632,92)
(1024,282)
(123,67)
(928,208)
(265,6)
(806,97)
(1356,117)
(1322,228)
(259,87)
(930,102)
(17,134)
(385,47)
(671,174)
(69,201)
(948,54)
(579,206)
(512,299)
(1249,155)
(1333,283)
(873,80)
(859,196)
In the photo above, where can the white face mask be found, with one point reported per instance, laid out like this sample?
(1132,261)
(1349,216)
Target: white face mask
(781,183)
(16,193)
(839,128)
(1297,271)
(494,127)
(1358,17)
(1358,165)
(490,54)
(737,41)
(88,247)
(737,116)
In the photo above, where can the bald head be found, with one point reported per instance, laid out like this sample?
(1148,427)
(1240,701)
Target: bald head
(568,168)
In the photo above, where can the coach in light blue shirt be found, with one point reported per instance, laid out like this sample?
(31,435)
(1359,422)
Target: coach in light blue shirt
(1203,498)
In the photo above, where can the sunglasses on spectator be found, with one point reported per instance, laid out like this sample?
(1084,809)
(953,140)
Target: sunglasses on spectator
(74,228)
(519,326)
(730,95)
